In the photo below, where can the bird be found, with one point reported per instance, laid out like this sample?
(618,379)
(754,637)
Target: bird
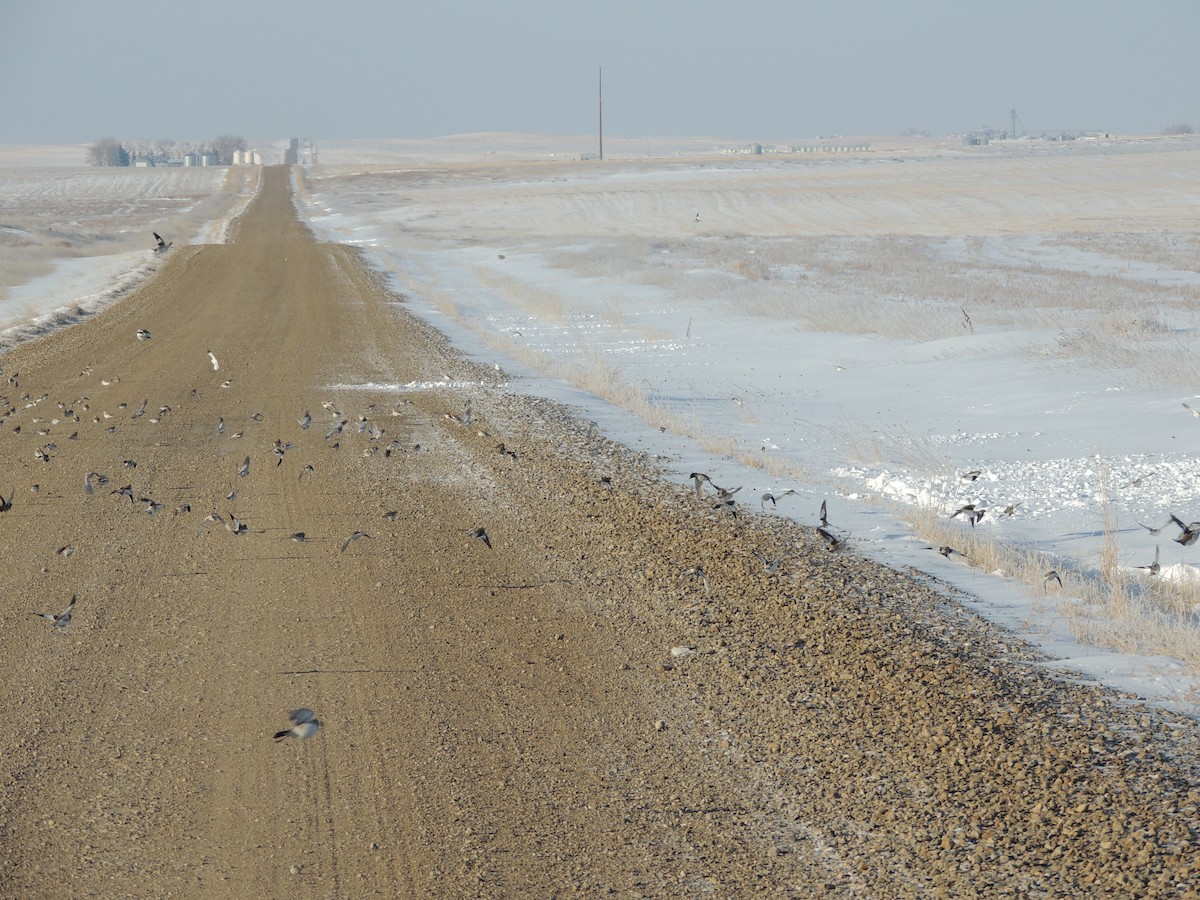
(183,508)
(824,514)
(772,565)
(480,535)
(6,505)
(306,421)
(126,491)
(1159,529)
(299,537)
(1189,533)
(221,425)
(143,334)
(833,542)
(391,515)
(695,572)
(1009,510)
(1152,569)
(774,497)
(1049,577)
(725,495)
(1194,412)
(697,219)
(236,527)
(946,550)
(965,508)
(244,469)
(62,619)
(161,246)
(213,359)
(606,482)
(304,725)
(354,537)
(698,479)
(307,470)
(973,475)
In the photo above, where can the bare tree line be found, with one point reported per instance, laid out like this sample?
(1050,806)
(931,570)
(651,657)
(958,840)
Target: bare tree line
(109,151)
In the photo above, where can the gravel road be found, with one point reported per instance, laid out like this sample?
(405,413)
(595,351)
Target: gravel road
(615,696)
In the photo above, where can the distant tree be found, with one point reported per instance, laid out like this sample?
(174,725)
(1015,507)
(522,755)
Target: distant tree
(1178,129)
(226,145)
(107,152)
(164,150)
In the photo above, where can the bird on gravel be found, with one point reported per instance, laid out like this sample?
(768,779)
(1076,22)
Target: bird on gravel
(6,505)
(304,725)
(307,470)
(306,421)
(299,537)
(244,469)
(832,541)
(62,619)
(183,508)
(143,334)
(480,535)
(695,572)
(606,482)
(354,537)
(772,565)
(725,495)
(213,359)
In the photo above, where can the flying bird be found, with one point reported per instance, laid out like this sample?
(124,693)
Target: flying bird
(213,359)
(299,537)
(161,246)
(306,421)
(62,619)
(1189,533)
(143,334)
(480,535)
(304,725)
(1159,529)
(354,537)
(244,469)
(1151,569)
(698,479)
(833,542)
(6,505)
(1049,577)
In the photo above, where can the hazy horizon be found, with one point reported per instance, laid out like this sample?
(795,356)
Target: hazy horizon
(774,70)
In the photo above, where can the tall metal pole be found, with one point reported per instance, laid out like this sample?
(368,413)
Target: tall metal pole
(602,112)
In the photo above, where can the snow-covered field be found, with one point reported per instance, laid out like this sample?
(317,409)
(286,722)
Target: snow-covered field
(867,328)
(73,238)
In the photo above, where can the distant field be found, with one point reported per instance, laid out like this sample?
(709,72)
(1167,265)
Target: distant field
(54,212)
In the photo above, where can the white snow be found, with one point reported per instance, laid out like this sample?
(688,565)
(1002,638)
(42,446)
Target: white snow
(862,328)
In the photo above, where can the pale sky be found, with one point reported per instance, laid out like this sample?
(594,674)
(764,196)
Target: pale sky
(71,72)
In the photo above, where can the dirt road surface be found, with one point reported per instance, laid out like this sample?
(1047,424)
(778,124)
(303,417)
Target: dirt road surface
(503,721)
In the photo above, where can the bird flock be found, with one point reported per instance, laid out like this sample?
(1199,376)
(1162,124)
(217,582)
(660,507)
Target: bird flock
(52,420)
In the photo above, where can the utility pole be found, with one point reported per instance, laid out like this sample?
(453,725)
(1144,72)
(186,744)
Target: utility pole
(602,112)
